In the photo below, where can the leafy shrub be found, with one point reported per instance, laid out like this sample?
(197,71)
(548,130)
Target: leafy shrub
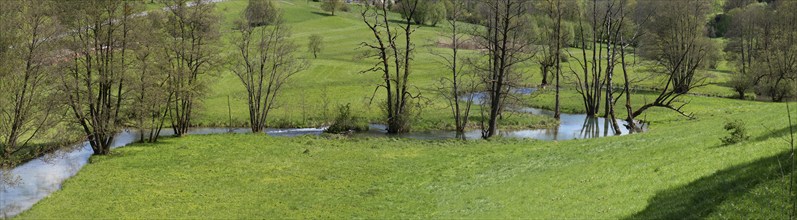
(738,132)
(564,58)
(345,8)
(345,122)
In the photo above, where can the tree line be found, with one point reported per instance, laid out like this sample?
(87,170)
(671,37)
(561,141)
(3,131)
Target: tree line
(100,65)
(601,40)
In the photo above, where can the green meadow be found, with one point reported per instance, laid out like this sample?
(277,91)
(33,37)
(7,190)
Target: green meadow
(678,169)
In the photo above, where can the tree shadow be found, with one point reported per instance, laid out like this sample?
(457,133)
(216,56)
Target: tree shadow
(701,197)
(780,133)
(322,14)
(403,22)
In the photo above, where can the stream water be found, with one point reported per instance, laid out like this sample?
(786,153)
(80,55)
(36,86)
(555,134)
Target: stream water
(40,177)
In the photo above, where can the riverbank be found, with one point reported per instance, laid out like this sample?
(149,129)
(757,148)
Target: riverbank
(678,170)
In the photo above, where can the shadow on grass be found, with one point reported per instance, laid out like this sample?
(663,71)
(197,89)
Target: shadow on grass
(702,197)
(403,22)
(781,134)
(322,14)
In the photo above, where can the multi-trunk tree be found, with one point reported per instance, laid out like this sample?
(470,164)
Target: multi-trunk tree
(191,50)
(149,92)
(94,79)
(393,48)
(601,28)
(506,46)
(28,104)
(745,45)
(779,53)
(676,40)
(265,64)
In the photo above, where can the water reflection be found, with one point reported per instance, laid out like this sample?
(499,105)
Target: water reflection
(571,126)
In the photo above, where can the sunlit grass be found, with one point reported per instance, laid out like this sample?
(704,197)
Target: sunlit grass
(678,169)
(679,165)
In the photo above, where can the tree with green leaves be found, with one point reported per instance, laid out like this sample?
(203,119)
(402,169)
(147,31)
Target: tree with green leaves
(745,44)
(28,100)
(436,12)
(149,78)
(266,64)
(315,45)
(260,12)
(778,59)
(676,40)
(192,51)
(332,6)
(94,79)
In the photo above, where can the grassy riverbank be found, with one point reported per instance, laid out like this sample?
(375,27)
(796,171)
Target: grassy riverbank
(677,170)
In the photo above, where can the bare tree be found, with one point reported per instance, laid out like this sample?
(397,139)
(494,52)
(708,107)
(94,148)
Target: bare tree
(545,29)
(592,32)
(191,51)
(390,51)
(94,81)
(28,103)
(507,46)
(457,88)
(555,12)
(266,64)
(626,41)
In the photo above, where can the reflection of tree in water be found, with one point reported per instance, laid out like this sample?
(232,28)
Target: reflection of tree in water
(591,128)
(8,180)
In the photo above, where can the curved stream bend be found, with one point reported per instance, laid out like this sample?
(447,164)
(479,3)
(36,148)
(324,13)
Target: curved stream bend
(40,177)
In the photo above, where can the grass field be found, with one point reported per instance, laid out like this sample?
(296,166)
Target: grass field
(679,169)
(336,78)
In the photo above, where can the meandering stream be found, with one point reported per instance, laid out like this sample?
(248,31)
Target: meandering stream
(40,177)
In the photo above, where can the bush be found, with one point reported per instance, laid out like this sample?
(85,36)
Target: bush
(738,132)
(345,122)
(345,8)
(564,58)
